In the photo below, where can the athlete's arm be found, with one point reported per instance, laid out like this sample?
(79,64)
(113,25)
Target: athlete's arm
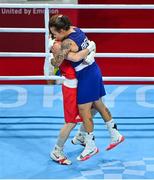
(61,53)
(78,56)
(67,50)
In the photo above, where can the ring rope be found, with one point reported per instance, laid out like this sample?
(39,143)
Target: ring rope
(3,78)
(78,6)
(98,55)
(107,78)
(86,30)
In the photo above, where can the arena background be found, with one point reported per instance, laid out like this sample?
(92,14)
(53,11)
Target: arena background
(32,115)
(107,42)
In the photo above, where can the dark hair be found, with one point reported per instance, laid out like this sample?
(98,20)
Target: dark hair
(59,22)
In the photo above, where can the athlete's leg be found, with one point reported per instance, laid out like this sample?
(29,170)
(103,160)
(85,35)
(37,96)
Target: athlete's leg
(90,148)
(70,115)
(116,137)
(64,134)
(85,113)
(79,138)
(57,153)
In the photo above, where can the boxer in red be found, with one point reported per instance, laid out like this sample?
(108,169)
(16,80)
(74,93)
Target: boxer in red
(69,90)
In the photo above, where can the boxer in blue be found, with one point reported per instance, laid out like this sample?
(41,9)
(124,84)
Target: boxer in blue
(90,88)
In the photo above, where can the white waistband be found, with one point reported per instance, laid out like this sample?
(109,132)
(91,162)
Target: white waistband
(71,83)
(82,65)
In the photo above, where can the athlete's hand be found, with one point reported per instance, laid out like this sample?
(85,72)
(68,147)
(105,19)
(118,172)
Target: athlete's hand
(90,58)
(48,68)
(92,46)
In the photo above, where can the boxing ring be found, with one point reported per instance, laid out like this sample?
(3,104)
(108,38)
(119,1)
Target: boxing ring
(32,115)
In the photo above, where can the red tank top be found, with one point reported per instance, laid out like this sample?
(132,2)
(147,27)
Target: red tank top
(67,70)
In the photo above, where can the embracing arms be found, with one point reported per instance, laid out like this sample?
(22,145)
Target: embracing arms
(69,51)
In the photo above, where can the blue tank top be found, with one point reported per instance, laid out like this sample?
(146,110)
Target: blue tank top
(81,40)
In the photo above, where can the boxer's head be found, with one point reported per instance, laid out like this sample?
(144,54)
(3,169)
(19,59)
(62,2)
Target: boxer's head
(59,25)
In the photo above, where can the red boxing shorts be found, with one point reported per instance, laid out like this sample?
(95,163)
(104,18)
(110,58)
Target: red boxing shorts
(71,112)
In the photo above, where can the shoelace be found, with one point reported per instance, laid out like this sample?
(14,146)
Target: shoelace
(113,140)
(64,158)
(62,154)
